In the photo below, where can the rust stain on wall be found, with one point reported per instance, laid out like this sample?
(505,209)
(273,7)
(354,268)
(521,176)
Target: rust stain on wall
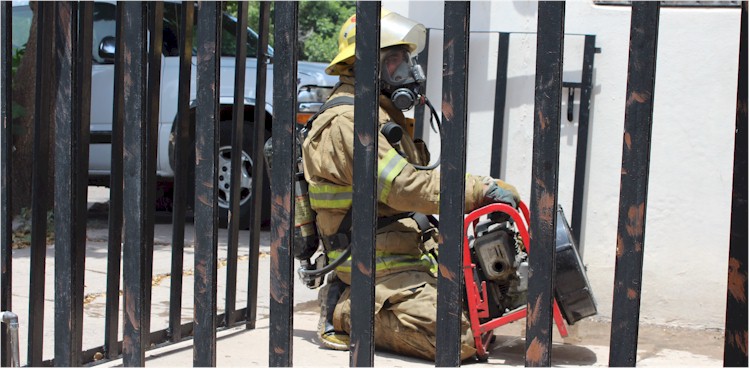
(736,281)
(635,220)
(535,352)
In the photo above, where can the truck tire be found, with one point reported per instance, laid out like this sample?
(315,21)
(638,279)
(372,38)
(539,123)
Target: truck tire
(224,171)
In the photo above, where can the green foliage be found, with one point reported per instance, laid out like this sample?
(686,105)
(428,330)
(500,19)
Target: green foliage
(253,15)
(319,25)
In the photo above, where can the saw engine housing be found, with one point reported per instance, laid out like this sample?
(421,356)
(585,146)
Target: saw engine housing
(502,263)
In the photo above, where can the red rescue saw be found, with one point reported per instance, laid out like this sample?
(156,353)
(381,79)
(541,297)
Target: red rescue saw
(496,249)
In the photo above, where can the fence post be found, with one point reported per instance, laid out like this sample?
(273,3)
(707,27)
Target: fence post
(364,201)
(735,332)
(155,12)
(39,183)
(282,171)
(452,182)
(631,227)
(183,131)
(238,123)
(73,30)
(206,162)
(582,145)
(6,145)
(135,167)
(501,86)
(115,220)
(544,178)
(258,164)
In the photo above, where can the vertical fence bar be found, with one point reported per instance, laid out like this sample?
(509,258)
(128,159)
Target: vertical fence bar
(587,85)
(258,160)
(631,229)
(452,182)
(420,109)
(135,207)
(39,185)
(735,332)
(155,11)
(238,116)
(544,178)
(501,86)
(206,161)
(6,144)
(115,220)
(182,134)
(364,202)
(72,110)
(282,211)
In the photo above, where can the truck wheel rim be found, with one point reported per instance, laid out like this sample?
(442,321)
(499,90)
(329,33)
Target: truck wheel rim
(225,177)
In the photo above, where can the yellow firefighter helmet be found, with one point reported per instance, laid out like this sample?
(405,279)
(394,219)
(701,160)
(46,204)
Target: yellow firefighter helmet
(395,29)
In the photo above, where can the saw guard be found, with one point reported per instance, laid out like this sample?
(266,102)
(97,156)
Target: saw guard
(476,301)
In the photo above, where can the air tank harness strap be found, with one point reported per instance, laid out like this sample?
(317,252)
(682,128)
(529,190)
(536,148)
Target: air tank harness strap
(336,101)
(342,238)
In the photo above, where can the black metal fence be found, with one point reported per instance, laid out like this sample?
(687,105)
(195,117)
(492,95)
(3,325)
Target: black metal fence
(63,96)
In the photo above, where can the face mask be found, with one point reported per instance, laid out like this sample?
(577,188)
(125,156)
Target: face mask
(401,78)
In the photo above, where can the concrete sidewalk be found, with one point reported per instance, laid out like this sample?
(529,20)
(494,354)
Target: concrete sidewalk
(236,347)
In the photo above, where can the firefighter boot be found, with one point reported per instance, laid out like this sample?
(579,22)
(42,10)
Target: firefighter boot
(328,296)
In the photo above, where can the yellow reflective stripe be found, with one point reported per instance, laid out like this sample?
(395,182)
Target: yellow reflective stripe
(389,167)
(330,196)
(385,261)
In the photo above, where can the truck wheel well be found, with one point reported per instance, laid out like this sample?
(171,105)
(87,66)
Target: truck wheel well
(225,113)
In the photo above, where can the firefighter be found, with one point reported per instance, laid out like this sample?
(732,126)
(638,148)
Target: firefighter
(405,284)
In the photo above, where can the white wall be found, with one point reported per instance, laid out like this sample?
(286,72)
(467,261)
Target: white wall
(689,195)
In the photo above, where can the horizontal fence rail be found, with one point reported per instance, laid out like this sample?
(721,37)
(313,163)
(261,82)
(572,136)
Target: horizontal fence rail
(60,131)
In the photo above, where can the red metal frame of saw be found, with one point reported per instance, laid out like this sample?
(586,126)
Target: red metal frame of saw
(477,302)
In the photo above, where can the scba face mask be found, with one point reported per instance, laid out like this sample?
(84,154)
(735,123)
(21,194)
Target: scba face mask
(401,77)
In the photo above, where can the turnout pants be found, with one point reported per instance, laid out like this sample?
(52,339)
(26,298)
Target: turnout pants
(405,315)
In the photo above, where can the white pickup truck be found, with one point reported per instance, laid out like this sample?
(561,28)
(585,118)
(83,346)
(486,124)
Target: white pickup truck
(102,85)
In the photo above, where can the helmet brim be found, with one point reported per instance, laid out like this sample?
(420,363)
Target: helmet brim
(348,52)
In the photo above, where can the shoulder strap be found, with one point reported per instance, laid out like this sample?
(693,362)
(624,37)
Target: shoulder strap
(336,101)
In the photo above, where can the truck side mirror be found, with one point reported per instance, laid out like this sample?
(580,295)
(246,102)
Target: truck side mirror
(107,49)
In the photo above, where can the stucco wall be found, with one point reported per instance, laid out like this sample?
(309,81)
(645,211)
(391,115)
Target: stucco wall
(689,195)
